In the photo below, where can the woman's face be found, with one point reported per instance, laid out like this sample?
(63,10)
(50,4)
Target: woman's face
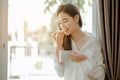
(66,23)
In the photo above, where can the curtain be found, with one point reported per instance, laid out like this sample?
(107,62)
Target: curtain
(96,29)
(110,34)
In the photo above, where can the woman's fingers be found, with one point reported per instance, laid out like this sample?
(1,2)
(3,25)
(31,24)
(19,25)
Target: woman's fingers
(73,56)
(58,35)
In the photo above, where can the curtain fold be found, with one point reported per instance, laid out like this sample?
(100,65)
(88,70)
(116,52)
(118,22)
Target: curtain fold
(118,39)
(115,39)
(110,34)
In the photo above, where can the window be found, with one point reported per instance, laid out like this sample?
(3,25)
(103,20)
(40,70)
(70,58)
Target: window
(30,45)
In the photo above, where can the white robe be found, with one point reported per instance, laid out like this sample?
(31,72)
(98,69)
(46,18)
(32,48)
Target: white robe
(92,66)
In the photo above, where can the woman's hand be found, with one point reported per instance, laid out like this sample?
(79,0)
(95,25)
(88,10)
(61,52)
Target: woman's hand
(58,37)
(75,57)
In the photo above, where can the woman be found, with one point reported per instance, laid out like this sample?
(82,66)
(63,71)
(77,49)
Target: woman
(86,60)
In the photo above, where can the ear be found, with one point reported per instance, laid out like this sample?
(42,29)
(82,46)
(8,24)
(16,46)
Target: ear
(76,18)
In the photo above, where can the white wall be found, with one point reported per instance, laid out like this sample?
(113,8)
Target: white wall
(3,39)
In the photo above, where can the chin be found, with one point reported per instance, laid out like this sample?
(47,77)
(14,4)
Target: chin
(67,34)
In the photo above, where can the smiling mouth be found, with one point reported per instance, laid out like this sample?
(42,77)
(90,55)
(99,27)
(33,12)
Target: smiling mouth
(66,30)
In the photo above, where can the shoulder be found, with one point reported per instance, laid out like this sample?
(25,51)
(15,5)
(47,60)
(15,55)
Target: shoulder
(92,41)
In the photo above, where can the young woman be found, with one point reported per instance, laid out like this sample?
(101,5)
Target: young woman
(86,59)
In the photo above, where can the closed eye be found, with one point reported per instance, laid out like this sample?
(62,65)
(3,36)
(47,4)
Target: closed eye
(64,21)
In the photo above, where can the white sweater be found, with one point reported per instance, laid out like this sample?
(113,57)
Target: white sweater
(92,67)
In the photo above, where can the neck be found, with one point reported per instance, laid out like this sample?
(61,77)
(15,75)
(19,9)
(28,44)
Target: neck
(78,36)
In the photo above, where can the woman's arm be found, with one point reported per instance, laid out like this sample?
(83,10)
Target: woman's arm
(92,55)
(98,70)
(57,55)
(59,66)
(59,69)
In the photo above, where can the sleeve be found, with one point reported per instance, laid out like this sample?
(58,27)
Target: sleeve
(96,57)
(59,69)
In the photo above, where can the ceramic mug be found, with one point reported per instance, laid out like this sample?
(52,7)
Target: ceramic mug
(64,55)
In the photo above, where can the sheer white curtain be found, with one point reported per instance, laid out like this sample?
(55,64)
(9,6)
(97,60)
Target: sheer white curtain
(96,19)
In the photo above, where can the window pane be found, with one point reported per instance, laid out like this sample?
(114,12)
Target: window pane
(30,44)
